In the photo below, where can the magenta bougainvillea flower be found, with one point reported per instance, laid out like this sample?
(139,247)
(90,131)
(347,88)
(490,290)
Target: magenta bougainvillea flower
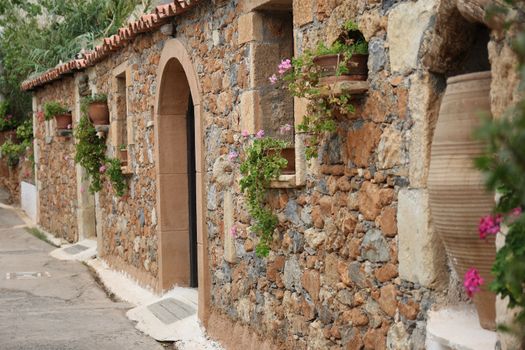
(472,282)
(516,211)
(285,66)
(489,225)
(260,134)
(232,155)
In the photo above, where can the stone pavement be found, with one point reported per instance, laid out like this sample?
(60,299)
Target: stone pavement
(63,307)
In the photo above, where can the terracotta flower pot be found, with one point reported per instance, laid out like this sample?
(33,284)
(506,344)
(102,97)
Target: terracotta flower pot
(63,120)
(458,198)
(98,113)
(357,68)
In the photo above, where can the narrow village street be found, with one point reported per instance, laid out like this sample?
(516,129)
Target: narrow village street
(55,305)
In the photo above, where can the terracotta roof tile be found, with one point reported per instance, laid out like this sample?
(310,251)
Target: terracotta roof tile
(145,23)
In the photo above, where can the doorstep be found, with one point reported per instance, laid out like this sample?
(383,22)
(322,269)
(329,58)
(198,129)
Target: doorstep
(81,251)
(457,328)
(170,317)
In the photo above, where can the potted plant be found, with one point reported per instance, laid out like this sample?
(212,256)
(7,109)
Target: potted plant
(97,109)
(346,59)
(310,76)
(61,114)
(123,154)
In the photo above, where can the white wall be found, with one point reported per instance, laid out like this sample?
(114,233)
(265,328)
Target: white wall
(28,199)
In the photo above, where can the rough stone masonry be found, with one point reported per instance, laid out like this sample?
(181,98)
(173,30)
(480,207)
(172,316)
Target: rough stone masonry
(356,263)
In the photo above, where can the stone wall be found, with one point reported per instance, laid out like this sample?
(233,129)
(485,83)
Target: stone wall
(55,166)
(355,263)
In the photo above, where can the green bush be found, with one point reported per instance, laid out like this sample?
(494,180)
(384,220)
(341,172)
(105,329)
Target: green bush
(12,151)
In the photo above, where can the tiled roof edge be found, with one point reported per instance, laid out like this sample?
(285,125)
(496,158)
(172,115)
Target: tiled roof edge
(146,23)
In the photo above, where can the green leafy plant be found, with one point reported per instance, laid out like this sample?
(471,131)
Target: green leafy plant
(302,78)
(114,173)
(91,155)
(12,151)
(7,122)
(90,152)
(262,163)
(24,132)
(53,108)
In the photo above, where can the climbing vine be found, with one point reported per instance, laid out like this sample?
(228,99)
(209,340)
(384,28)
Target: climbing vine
(262,163)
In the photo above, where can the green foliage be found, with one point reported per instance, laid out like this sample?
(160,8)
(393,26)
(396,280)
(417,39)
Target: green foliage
(37,35)
(114,173)
(91,155)
(262,164)
(24,132)
(12,151)
(7,122)
(504,165)
(90,152)
(53,108)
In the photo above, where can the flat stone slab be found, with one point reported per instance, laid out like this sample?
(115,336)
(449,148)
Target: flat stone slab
(80,251)
(171,310)
(457,327)
(75,249)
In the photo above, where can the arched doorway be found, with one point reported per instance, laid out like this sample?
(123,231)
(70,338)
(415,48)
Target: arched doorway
(183,259)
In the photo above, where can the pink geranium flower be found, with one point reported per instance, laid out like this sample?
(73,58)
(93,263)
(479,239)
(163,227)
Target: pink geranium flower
(260,134)
(489,225)
(233,231)
(285,128)
(273,79)
(472,281)
(285,66)
(245,133)
(232,155)
(102,169)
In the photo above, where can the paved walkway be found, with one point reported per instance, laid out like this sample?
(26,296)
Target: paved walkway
(64,308)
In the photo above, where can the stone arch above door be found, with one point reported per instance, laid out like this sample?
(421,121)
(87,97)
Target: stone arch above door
(177,79)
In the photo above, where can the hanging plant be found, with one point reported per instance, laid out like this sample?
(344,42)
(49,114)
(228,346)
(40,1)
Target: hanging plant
(262,162)
(91,155)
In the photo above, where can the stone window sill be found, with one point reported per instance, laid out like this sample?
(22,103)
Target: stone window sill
(285,181)
(353,88)
(457,327)
(64,132)
(126,170)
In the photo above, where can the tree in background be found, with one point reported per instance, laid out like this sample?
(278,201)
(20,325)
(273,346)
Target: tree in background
(38,35)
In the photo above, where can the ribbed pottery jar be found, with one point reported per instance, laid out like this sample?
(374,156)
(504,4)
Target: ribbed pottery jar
(458,198)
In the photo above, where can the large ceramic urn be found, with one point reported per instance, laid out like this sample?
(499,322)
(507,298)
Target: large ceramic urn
(458,198)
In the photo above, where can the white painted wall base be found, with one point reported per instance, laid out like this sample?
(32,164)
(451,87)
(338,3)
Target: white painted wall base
(28,196)
(457,328)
